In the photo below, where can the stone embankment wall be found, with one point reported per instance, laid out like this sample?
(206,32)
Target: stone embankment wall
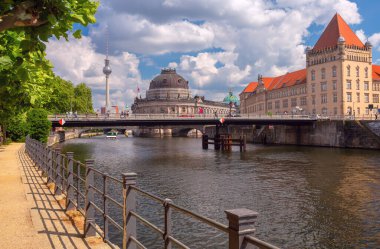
(62,136)
(342,134)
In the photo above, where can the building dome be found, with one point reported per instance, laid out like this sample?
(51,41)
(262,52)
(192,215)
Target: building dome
(169,79)
(341,39)
(230,98)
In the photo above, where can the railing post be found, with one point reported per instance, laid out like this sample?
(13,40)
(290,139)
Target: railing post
(240,224)
(168,223)
(89,230)
(129,204)
(70,182)
(50,166)
(58,171)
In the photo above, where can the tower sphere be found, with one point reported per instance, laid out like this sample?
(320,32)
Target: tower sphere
(107,70)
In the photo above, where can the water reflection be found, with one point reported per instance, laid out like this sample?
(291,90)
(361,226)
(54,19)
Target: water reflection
(306,197)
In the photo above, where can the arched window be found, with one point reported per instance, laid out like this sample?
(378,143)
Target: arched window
(334,71)
(366,72)
(357,71)
(312,74)
(348,70)
(323,73)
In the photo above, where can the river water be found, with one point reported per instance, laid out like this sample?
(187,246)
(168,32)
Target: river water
(306,197)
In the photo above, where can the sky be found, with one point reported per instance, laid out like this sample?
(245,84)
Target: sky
(216,45)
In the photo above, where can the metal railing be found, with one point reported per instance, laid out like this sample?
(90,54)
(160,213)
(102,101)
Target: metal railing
(165,116)
(82,184)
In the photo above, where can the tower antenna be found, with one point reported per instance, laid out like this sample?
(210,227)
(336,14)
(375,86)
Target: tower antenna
(107,71)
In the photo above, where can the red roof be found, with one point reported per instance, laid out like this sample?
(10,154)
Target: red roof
(376,72)
(271,83)
(253,85)
(336,28)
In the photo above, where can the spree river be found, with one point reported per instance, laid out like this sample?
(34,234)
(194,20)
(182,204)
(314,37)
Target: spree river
(306,197)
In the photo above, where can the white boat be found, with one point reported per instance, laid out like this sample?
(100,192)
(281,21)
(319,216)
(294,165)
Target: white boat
(111,135)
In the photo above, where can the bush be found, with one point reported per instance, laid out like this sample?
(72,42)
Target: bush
(38,124)
(17,129)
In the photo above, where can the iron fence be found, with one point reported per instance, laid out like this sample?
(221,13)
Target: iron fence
(76,181)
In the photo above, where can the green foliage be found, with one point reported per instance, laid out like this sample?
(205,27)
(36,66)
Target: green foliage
(38,124)
(17,129)
(83,99)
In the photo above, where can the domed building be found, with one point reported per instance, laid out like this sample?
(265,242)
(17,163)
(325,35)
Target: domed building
(169,93)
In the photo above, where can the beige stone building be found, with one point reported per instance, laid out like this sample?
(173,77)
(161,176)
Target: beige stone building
(339,79)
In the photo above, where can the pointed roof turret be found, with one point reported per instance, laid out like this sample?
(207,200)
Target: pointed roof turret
(334,32)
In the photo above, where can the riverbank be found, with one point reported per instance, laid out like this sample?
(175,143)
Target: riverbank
(31,215)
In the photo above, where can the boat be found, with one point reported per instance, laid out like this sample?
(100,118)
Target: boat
(111,135)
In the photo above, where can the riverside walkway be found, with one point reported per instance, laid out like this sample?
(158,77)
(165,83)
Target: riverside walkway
(31,216)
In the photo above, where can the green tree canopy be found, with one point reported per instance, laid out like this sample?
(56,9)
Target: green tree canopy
(83,99)
(38,124)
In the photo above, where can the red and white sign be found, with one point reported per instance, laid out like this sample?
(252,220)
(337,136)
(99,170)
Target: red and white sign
(221,120)
(62,121)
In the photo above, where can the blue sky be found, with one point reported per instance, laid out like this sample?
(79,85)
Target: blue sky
(215,44)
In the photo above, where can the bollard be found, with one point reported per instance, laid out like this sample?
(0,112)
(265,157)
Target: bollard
(205,142)
(89,222)
(168,223)
(240,223)
(217,142)
(70,182)
(129,204)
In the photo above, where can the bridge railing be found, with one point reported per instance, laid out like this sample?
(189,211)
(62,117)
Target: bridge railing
(92,193)
(165,116)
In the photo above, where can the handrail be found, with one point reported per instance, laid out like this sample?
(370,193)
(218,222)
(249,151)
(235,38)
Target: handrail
(261,244)
(80,195)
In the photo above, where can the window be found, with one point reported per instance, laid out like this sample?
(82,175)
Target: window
(323,86)
(366,72)
(303,100)
(366,110)
(335,97)
(285,103)
(335,111)
(357,71)
(358,111)
(375,98)
(323,73)
(294,102)
(334,71)
(323,98)
(277,104)
(313,100)
(348,85)
(183,109)
(312,88)
(269,105)
(348,71)
(375,86)
(358,97)
(357,85)
(349,97)
(366,97)
(334,84)
(312,75)
(366,85)
(324,111)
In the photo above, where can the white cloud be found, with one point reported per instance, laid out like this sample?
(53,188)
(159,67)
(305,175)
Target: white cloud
(375,40)
(78,62)
(360,33)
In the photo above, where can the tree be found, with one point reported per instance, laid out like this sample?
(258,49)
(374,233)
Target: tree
(17,128)
(83,99)
(43,18)
(38,124)
(25,25)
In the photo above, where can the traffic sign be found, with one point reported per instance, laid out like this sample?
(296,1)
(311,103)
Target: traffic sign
(62,121)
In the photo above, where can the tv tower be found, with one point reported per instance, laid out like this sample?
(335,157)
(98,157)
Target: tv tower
(107,71)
